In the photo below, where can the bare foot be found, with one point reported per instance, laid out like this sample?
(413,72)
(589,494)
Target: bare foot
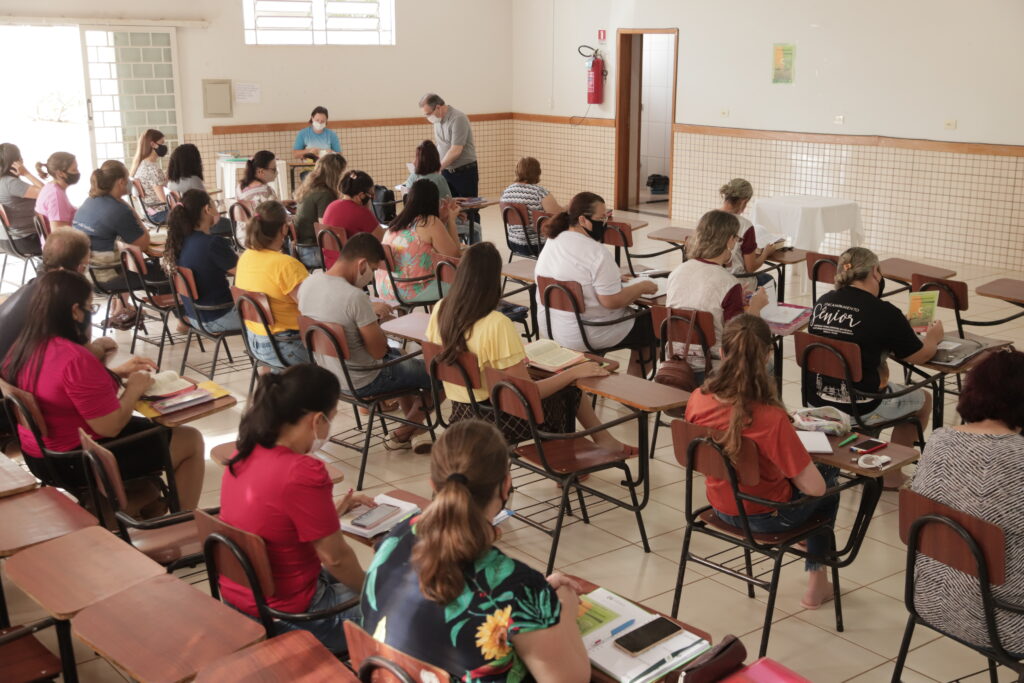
(818,592)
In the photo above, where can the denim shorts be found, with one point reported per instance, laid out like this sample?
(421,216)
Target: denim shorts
(288,343)
(331,630)
(309,255)
(409,374)
(893,408)
(228,322)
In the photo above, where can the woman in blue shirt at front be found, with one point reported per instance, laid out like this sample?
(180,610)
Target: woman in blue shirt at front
(316,138)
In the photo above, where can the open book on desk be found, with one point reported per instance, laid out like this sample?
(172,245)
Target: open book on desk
(604,616)
(549,355)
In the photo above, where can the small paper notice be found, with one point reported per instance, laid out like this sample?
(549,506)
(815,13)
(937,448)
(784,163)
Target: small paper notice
(248,93)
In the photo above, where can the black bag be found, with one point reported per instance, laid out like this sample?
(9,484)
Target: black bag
(384,203)
(658,183)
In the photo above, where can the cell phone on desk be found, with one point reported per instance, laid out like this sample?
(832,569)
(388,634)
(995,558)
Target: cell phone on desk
(868,446)
(375,516)
(642,639)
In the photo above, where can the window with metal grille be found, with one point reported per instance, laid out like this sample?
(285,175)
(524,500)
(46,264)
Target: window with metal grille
(319,22)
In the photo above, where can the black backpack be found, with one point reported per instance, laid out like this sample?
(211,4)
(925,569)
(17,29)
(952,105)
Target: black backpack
(384,203)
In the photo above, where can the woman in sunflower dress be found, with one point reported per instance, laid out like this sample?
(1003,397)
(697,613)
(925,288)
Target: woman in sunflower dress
(440,591)
(422,233)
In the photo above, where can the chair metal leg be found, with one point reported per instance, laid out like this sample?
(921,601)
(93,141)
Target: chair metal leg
(5,618)
(682,571)
(837,598)
(583,505)
(992,675)
(216,353)
(901,658)
(184,356)
(557,533)
(639,514)
(366,445)
(69,669)
(750,573)
(773,588)
(252,378)
(654,437)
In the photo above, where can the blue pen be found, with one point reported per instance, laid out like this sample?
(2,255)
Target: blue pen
(622,627)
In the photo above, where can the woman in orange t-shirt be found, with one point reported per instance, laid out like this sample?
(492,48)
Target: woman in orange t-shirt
(740,399)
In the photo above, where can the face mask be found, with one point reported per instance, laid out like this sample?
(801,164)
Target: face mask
(433,118)
(319,127)
(597,230)
(161,150)
(364,278)
(318,442)
(72,178)
(365,200)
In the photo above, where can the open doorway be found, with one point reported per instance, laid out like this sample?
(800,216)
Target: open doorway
(645,112)
(45,111)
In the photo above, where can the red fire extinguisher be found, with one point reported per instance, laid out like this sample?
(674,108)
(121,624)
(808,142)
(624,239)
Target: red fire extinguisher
(595,75)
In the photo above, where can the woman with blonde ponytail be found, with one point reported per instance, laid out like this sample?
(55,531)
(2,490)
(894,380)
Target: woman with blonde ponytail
(440,591)
(739,398)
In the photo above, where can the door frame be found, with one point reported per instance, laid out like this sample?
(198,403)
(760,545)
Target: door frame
(624,105)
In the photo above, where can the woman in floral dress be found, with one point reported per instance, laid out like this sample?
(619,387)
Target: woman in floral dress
(423,231)
(440,591)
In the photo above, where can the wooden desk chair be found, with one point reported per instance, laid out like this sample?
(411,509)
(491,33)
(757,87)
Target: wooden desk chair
(620,236)
(465,372)
(697,451)
(242,557)
(187,294)
(328,339)
(968,544)
(23,658)
(135,198)
(675,326)
(329,239)
(22,409)
(953,294)
(516,214)
(43,228)
(239,213)
(566,458)
(427,298)
(109,282)
(254,307)
(170,540)
(564,295)
(820,268)
(841,361)
(11,248)
(291,656)
(160,304)
(378,662)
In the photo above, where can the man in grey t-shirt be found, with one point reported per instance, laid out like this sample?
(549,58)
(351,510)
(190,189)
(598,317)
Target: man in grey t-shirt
(337,296)
(454,138)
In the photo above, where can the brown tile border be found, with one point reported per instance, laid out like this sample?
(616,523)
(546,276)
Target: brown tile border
(569,120)
(351,123)
(866,140)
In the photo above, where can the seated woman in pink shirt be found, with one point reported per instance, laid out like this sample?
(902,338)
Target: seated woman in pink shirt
(74,390)
(272,487)
(53,201)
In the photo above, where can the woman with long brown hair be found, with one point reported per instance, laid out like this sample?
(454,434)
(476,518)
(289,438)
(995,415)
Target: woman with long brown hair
(440,591)
(146,169)
(466,320)
(319,188)
(739,398)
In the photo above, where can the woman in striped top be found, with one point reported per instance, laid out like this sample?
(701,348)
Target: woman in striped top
(978,467)
(527,190)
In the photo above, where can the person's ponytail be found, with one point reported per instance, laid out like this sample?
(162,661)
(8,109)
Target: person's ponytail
(469,465)
(265,225)
(42,170)
(556,225)
(103,179)
(182,221)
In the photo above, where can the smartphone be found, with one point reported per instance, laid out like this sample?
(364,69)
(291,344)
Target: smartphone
(641,639)
(375,516)
(868,446)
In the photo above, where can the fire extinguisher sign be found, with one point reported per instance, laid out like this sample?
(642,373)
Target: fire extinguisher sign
(601,35)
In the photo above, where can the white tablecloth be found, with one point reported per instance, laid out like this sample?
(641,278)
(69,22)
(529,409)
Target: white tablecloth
(808,219)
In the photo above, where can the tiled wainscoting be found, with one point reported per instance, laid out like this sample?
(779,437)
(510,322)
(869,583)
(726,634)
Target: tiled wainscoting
(927,200)
(925,203)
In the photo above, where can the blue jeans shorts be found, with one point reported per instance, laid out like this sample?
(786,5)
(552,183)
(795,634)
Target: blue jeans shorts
(288,343)
(331,630)
(409,374)
(893,408)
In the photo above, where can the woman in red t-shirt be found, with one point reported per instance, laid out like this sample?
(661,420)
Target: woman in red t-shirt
(740,399)
(272,487)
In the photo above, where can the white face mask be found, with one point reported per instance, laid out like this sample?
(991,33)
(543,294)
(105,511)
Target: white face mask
(434,118)
(319,127)
(364,278)
(318,442)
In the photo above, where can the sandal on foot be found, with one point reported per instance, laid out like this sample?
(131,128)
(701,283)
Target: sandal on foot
(393,443)
(422,444)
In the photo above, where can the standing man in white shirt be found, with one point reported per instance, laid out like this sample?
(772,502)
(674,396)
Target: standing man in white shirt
(454,139)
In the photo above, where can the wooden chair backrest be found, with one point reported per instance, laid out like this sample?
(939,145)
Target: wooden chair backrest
(508,402)
(514,213)
(133,259)
(947,289)
(450,372)
(824,264)
(4,221)
(28,402)
(185,283)
(253,546)
(389,258)
(137,188)
(323,337)
(361,646)
(105,470)
(560,294)
(707,459)
(446,269)
(254,307)
(329,239)
(674,324)
(618,235)
(43,225)
(824,362)
(940,542)
(240,212)
(539,219)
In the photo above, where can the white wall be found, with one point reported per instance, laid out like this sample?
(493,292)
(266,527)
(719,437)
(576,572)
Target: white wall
(889,68)
(458,48)
(656,98)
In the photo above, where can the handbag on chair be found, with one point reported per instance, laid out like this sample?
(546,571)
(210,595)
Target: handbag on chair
(676,371)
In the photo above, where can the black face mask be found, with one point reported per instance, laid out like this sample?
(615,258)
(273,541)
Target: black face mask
(161,150)
(72,178)
(597,230)
(366,200)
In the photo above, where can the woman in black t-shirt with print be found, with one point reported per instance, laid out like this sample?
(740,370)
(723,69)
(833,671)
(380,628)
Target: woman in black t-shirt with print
(853,312)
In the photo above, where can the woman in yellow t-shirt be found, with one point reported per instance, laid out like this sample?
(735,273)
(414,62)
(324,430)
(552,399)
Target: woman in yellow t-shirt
(263,268)
(466,320)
